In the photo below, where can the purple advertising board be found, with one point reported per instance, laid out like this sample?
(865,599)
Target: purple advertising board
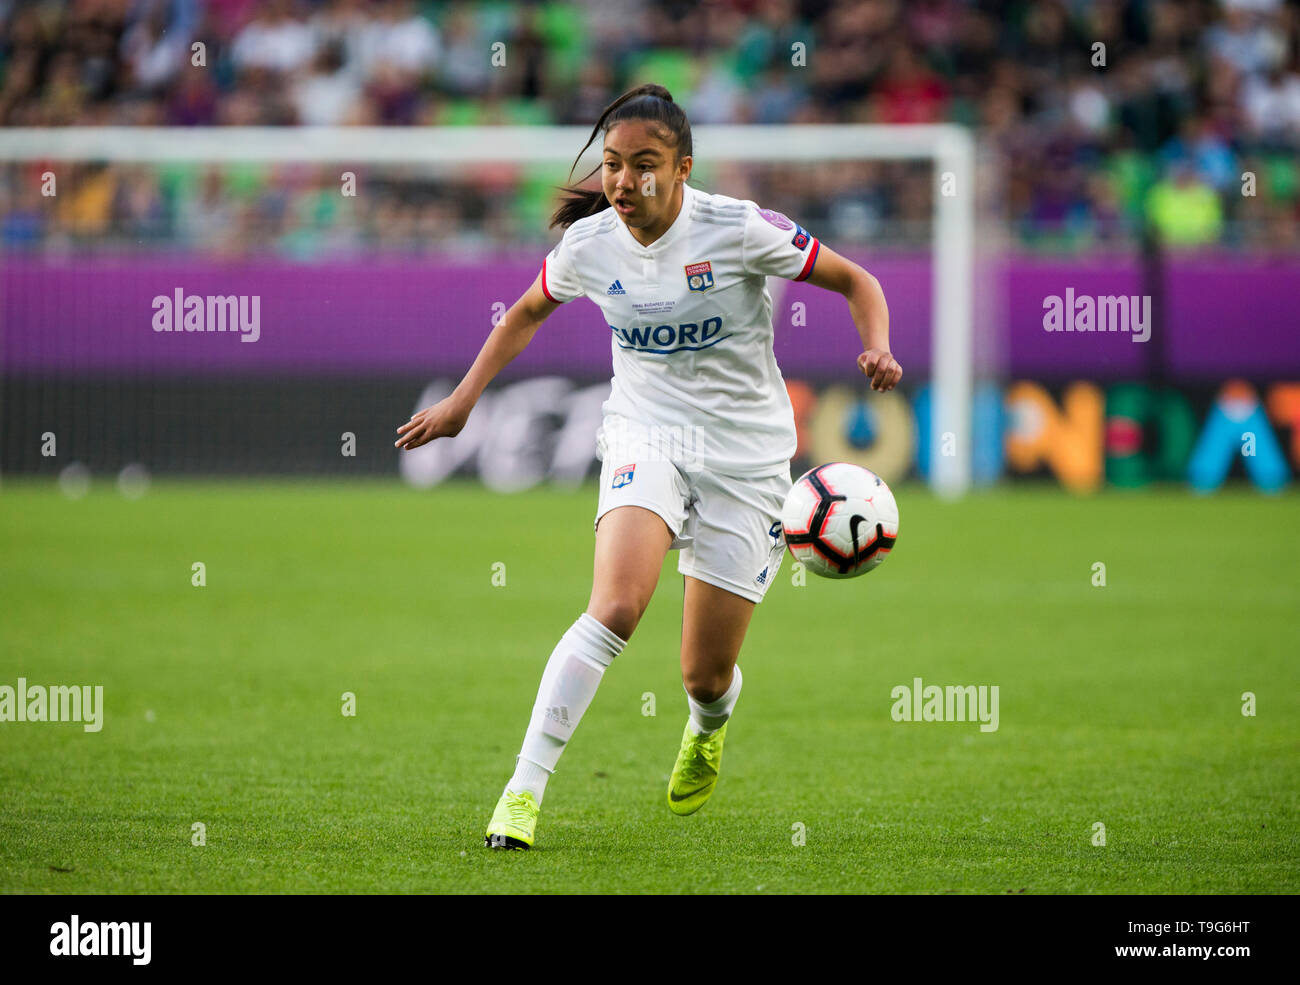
(1222,315)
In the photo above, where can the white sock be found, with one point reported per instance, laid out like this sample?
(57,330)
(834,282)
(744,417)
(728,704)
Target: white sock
(707,718)
(568,684)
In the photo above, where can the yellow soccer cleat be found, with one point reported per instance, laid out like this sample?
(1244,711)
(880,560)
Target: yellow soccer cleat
(695,773)
(513,822)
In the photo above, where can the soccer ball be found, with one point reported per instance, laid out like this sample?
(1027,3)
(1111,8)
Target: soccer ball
(840,520)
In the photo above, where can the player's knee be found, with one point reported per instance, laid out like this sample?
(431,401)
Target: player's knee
(619,615)
(706,686)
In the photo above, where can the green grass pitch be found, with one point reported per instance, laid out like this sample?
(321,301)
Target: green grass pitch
(1119,704)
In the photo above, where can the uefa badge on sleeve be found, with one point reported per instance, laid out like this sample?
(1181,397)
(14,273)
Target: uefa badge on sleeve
(699,276)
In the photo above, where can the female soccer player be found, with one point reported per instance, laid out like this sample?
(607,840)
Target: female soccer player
(697,433)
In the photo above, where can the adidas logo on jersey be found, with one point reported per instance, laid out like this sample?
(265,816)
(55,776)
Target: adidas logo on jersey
(615,288)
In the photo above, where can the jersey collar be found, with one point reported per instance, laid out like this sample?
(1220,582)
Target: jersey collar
(670,234)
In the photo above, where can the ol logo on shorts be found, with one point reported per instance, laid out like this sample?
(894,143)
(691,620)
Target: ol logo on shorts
(622,476)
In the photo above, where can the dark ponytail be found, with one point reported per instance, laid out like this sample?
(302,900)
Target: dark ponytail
(648,102)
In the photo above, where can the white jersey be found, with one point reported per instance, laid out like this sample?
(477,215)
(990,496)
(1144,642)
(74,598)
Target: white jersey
(691,323)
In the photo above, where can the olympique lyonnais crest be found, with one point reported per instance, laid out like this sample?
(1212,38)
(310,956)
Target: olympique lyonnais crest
(622,476)
(699,276)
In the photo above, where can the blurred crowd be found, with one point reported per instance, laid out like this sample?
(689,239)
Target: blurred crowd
(1100,118)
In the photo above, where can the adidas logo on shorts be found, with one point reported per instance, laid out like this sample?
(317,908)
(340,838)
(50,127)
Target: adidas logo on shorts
(615,288)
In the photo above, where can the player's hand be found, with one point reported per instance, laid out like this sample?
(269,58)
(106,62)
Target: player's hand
(445,419)
(881,368)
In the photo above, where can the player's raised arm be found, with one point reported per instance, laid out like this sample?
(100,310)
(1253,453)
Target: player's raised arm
(511,336)
(869,312)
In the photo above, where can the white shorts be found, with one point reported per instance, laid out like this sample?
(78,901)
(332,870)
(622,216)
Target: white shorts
(727,528)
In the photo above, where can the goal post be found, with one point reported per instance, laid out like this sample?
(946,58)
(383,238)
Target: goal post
(950,148)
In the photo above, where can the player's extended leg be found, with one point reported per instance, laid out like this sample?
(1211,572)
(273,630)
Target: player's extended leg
(631,543)
(714,622)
